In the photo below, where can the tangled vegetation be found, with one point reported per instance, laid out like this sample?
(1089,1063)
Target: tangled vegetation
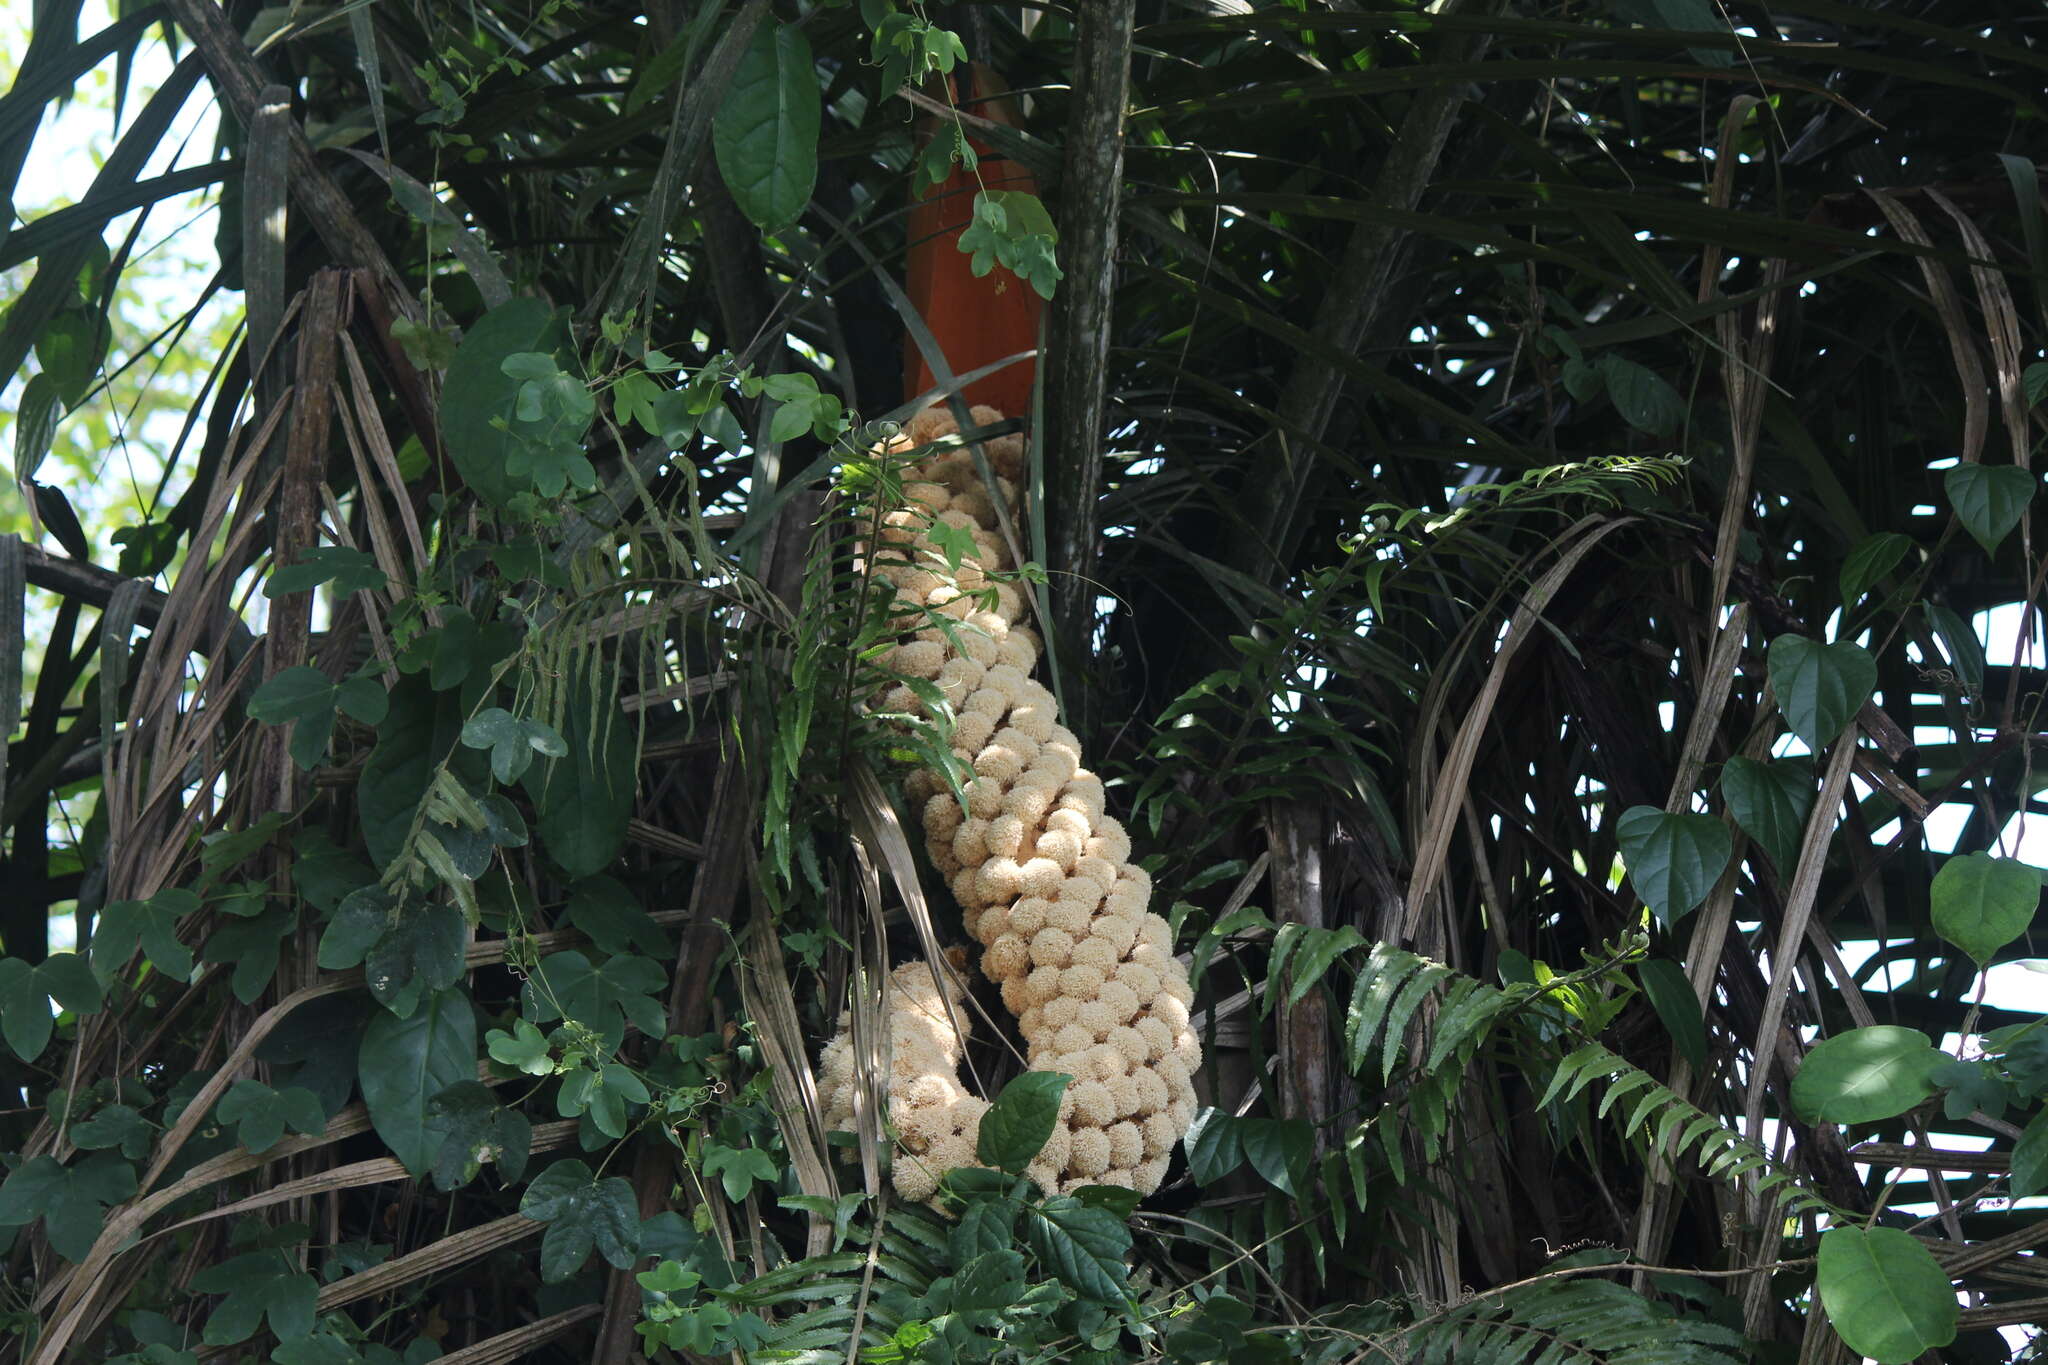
(1527,508)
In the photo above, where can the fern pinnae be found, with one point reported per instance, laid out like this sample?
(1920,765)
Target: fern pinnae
(1718,1151)
(1386,967)
(1405,1004)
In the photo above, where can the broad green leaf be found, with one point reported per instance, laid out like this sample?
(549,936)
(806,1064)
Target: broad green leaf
(350,571)
(604,1092)
(315,1048)
(259,1285)
(26,1019)
(423,950)
(1016,1126)
(1820,687)
(1644,398)
(404,1063)
(1771,802)
(293,694)
(581,1212)
(766,132)
(1083,1246)
(1981,903)
(71,348)
(2030,1158)
(1865,1075)
(512,740)
(1671,995)
(1884,1293)
(361,919)
(585,798)
(1213,1146)
(1278,1149)
(72,1201)
(154,925)
(251,945)
(614,919)
(737,1168)
(1673,860)
(304,697)
(1870,561)
(118,1126)
(260,1114)
(479,422)
(985,1225)
(481,1132)
(602,998)
(2035,380)
(1989,499)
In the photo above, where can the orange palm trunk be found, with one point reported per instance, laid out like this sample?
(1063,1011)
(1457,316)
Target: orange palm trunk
(976,321)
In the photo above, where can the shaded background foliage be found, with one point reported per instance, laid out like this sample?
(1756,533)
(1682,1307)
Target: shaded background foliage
(1483,391)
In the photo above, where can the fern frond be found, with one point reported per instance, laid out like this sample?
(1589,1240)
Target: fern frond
(1664,1123)
(1564,1318)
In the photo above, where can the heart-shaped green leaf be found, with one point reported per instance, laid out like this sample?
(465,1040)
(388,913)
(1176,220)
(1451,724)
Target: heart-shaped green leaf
(1982,903)
(1820,686)
(1875,557)
(1770,801)
(1989,499)
(1673,860)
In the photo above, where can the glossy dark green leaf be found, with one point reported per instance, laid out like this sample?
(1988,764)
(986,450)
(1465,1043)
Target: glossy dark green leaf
(260,1286)
(1820,687)
(481,1132)
(260,1114)
(1989,499)
(26,1019)
(985,1225)
(1213,1146)
(1082,1246)
(405,1063)
(1278,1149)
(422,950)
(350,571)
(1016,1126)
(1869,562)
(117,1126)
(1673,860)
(71,349)
(1644,398)
(585,798)
(1771,802)
(1678,1009)
(251,946)
(2030,1159)
(581,1212)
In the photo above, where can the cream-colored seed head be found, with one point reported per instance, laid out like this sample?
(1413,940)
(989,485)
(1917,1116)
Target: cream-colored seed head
(1042,874)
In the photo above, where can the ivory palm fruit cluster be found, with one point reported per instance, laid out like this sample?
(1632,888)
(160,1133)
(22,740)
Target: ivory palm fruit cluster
(1043,876)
